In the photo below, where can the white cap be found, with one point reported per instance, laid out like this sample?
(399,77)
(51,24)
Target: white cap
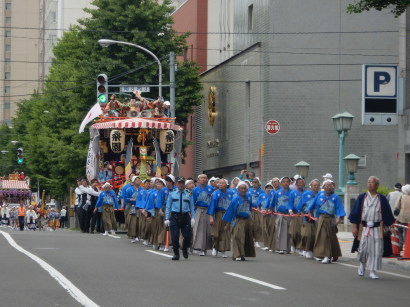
(296,177)
(327,181)
(133,178)
(162,180)
(241,183)
(328,175)
(167,103)
(170,176)
(106,184)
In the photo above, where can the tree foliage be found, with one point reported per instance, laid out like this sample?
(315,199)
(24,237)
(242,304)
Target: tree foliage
(47,123)
(398,7)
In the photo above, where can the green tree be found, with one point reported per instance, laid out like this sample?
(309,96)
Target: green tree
(398,7)
(48,123)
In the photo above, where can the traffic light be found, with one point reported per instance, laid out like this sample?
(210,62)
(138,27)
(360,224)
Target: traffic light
(20,158)
(102,88)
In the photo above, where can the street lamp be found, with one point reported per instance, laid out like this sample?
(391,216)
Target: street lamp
(352,164)
(4,152)
(15,142)
(342,123)
(107,42)
(302,168)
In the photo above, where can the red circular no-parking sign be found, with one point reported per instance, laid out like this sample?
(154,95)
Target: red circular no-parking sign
(272,127)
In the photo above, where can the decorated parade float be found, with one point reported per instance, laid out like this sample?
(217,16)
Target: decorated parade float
(14,190)
(131,137)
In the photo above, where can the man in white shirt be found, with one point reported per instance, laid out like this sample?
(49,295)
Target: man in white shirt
(392,197)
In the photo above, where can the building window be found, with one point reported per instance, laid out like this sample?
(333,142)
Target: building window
(8,6)
(53,38)
(53,16)
(7,75)
(8,20)
(7,47)
(7,90)
(250,17)
(7,105)
(7,61)
(8,33)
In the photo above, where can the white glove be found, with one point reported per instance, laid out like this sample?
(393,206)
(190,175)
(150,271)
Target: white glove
(192,222)
(370,224)
(166,223)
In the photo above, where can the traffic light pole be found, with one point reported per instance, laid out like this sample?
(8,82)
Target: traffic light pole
(172,82)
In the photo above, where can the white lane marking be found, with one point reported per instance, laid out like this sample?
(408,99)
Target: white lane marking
(383,272)
(158,253)
(116,237)
(76,293)
(45,248)
(255,281)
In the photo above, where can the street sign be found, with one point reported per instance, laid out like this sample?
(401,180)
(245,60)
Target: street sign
(132,88)
(379,95)
(272,127)
(380,81)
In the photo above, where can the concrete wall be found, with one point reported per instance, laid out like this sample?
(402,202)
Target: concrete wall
(311,55)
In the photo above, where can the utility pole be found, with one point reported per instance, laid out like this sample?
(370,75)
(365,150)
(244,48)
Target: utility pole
(172,82)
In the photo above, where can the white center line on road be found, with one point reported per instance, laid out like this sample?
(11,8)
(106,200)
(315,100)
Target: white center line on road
(116,237)
(158,253)
(76,293)
(255,281)
(383,272)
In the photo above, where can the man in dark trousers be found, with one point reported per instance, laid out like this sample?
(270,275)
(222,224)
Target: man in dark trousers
(179,215)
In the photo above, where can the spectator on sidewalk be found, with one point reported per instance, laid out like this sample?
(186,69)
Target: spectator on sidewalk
(21,215)
(393,196)
(63,217)
(402,211)
(371,212)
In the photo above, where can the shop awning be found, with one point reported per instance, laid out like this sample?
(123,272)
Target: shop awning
(136,122)
(14,185)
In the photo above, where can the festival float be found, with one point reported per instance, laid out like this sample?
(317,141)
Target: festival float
(14,190)
(135,136)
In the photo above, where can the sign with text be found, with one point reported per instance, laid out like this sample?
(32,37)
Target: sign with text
(272,127)
(133,88)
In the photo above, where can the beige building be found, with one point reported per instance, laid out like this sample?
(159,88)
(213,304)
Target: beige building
(29,30)
(19,53)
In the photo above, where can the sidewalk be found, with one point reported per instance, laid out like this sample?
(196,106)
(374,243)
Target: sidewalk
(346,241)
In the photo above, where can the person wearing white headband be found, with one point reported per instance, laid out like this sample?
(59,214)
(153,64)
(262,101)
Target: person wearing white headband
(189,184)
(202,197)
(238,216)
(308,225)
(108,200)
(221,239)
(255,192)
(329,208)
(268,220)
(278,204)
(145,220)
(234,183)
(154,208)
(131,197)
(295,226)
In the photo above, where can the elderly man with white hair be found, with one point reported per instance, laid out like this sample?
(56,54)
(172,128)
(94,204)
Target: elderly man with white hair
(238,216)
(329,210)
(108,200)
(202,197)
(221,198)
(371,212)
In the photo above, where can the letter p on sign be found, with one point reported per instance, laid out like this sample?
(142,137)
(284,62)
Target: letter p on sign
(381,81)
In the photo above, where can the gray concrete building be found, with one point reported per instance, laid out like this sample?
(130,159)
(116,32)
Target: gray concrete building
(299,63)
